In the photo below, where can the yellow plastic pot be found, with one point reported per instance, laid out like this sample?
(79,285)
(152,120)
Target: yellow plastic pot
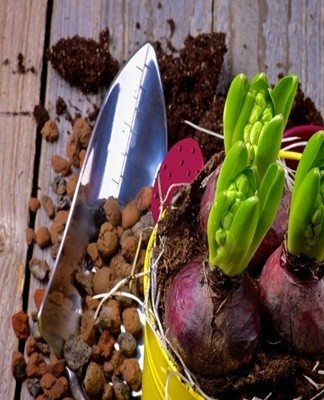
(160,380)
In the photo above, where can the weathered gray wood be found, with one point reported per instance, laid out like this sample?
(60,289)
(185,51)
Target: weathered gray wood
(277,37)
(22,26)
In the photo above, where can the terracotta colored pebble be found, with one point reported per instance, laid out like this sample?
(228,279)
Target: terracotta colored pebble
(113,211)
(31,346)
(50,131)
(58,225)
(48,206)
(93,253)
(61,165)
(30,236)
(78,140)
(82,156)
(143,199)
(56,367)
(38,297)
(129,247)
(130,215)
(20,324)
(34,204)
(43,237)
(87,328)
(108,393)
(36,366)
(131,373)
(94,380)
(47,381)
(102,280)
(131,321)
(108,240)
(18,365)
(71,183)
(106,344)
(58,390)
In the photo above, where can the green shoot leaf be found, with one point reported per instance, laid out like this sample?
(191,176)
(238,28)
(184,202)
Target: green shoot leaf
(306,217)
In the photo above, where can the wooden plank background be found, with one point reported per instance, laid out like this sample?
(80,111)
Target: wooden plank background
(273,36)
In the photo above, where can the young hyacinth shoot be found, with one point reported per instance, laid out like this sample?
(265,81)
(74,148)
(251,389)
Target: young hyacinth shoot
(243,210)
(215,333)
(256,114)
(291,283)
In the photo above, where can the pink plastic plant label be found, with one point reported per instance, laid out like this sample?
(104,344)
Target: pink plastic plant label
(179,167)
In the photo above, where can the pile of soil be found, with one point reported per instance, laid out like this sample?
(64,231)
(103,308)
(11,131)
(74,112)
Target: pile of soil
(274,370)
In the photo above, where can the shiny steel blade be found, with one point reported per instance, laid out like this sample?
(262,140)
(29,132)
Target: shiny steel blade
(128,143)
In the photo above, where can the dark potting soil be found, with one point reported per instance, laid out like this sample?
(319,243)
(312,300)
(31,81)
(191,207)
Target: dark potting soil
(273,370)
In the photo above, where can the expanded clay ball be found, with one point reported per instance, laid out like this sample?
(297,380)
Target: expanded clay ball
(113,211)
(108,240)
(94,380)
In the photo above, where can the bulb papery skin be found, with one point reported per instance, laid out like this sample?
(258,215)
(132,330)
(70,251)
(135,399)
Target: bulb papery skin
(214,333)
(293,306)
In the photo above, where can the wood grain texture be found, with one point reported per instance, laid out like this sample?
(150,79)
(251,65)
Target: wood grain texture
(22,25)
(275,37)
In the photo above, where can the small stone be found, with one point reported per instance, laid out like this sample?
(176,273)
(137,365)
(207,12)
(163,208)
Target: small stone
(34,387)
(20,324)
(39,268)
(88,330)
(18,365)
(131,321)
(38,297)
(84,281)
(129,247)
(102,280)
(30,236)
(108,393)
(36,366)
(113,211)
(76,352)
(94,380)
(94,255)
(59,185)
(71,184)
(48,206)
(131,373)
(50,131)
(58,226)
(31,345)
(34,204)
(130,215)
(47,381)
(121,389)
(60,106)
(108,240)
(127,344)
(143,199)
(106,344)
(109,317)
(43,237)
(62,202)
(61,165)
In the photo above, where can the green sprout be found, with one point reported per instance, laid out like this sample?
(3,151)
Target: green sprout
(305,234)
(243,210)
(256,114)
